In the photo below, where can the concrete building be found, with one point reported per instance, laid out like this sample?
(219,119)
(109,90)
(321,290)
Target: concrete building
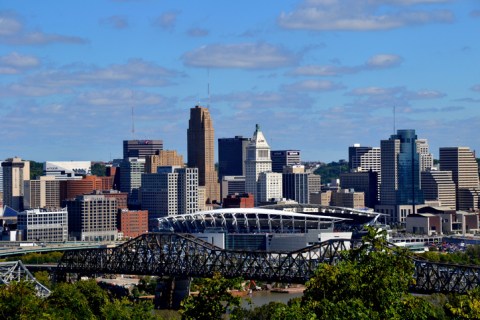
(424,223)
(43,225)
(258,161)
(314,183)
(323,198)
(269,187)
(232,153)
(141,148)
(426,158)
(244,200)
(162,159)
(67,170)
(348,199)
(463,165)
(451,221)
(121,197)
(439,186)
(232,185)
(132,223)
(43,192)
(282,158)
(400,189)
(366,182)
(201,151)
(15,172)
(92,218)
(171,191)
(365,159)
(131,171)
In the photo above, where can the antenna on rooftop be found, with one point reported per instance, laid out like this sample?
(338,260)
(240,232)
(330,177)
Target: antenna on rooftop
(133,126)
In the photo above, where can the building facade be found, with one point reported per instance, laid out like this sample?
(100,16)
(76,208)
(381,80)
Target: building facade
(92,218)
(232,185)
(43,192)
(67,170)
(269,187)
(43,225)
(463,165)
(258,161)
(15,172)
(164,158)
(232,153)
(141,148)
(131,171)
(201,151)
(439,186)
(282,158)
(366,182)
(132,223)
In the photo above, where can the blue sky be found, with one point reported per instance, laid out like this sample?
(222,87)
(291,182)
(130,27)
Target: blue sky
(317,75)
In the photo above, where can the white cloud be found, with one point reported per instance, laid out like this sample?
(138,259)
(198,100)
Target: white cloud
(14,63)
(243,56)
(166,20)
(12,31)
(117,22)
(119,97)
(313,86)
(198,32)
(379,61)
(360,15)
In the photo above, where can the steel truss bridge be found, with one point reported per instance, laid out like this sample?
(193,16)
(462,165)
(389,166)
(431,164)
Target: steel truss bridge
(15,271)
(183,256)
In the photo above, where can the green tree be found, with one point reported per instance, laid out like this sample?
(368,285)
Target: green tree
(466,306)
(18,300)
(67,302)
(96,297)
(212,301)
(44,278)
(332,170)
(36,169)
(126,310)
(99,169)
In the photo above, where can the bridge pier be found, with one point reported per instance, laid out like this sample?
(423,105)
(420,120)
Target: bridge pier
(171,291)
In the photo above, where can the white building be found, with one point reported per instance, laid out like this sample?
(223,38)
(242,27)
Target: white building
(426,158)
(15,172)
(43,225)
(269,187)
(67,170)
(258,161)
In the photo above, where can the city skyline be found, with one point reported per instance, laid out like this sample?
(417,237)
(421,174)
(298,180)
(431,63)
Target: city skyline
(318,76)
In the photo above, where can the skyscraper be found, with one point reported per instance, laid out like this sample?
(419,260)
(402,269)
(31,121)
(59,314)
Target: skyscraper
(439,186)
(463,165)
(201,151)
(15,172)
(426,158)
(400,185)
(232,153)
(141,148)
(258,161)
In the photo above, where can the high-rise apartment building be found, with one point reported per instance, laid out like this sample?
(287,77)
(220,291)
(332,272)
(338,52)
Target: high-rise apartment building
(44,192)
(282,158)
(258,161)
(141,148)
(15,172)
(232,153)
(463,165)
(426,158)
(162,159)
(201,151)
(92,218)
(439,186)
(400,190)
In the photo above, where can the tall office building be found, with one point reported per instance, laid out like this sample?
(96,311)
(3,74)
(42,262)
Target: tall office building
(426,158)
(163,158)
(400,190)
(232,153)
(44,192)
(141,148)
(364,159)
(171,191)
(282,158)
(366,182)
(258,161)
(295,187)
(92,218)
(439,186)
(201,146)
(15,172)
(463,165)
(131,170)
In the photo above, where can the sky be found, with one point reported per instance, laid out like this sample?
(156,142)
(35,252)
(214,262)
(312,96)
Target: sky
(316,75)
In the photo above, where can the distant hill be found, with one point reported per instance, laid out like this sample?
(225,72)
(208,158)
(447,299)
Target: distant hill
(331,171)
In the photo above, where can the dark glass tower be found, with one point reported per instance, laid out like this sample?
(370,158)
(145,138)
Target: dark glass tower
(231,156)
